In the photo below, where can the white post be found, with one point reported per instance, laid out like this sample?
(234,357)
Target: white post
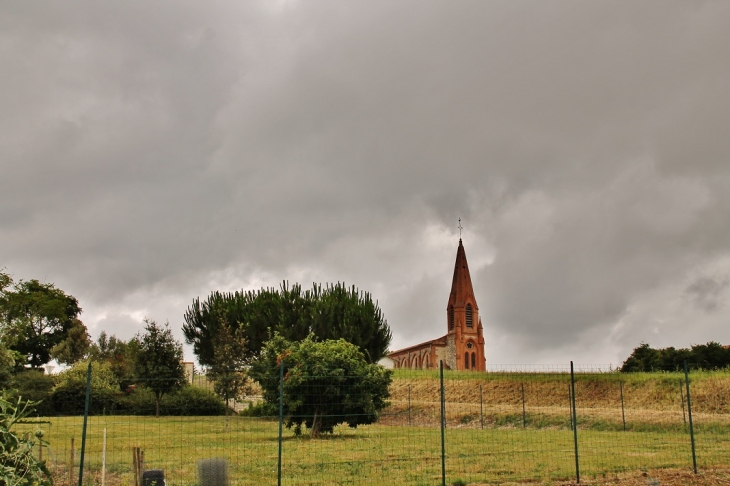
(103,459)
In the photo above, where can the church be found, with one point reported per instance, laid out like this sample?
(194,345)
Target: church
(462,348)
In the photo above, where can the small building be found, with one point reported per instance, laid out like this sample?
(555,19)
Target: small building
(386,362)
(462,348)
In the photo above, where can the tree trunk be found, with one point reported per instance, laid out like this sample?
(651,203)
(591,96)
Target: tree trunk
(157,405)
(314,433)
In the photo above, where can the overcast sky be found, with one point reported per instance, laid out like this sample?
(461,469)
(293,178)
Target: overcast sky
(151,153)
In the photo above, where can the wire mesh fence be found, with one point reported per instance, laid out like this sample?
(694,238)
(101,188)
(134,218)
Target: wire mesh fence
(455,428)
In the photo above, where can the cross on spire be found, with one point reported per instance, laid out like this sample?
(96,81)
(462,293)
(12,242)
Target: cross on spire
(460,228)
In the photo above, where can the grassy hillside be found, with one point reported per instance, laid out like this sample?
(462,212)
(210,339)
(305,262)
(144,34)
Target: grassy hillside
(650,400)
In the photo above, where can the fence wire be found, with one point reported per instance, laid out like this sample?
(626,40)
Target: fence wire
(499,426)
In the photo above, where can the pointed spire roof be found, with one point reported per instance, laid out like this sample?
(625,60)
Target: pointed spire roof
(461,289)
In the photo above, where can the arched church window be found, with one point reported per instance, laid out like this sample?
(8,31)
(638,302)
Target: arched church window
(469,316)
(473,360)
(451,318)
(466,360)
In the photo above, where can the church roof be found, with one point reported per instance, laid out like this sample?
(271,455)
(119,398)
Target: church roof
(461,289)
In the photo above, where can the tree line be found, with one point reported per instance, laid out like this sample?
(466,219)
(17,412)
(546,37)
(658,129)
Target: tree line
(710,356)
(237,337)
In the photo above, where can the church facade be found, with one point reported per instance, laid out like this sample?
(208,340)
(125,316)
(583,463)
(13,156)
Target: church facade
(462,348)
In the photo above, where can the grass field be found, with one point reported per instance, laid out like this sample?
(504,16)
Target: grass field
(493,436)
(375,454)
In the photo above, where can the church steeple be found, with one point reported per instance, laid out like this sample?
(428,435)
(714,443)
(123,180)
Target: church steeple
(464,326)
(462,291)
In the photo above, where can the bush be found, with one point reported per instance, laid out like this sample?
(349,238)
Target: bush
(69,394)
(35,386)
(189,400)
(261,409)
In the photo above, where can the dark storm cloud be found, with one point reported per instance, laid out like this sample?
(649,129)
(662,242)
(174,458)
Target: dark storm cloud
(153,153)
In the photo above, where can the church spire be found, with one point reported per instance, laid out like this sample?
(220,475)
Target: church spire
(461,288)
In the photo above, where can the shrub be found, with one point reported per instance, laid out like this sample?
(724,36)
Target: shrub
(35,386)
(189,400)
(18,466)
(192,400)
(69,394)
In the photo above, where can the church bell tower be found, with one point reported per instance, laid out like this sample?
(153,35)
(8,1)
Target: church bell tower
(465,340)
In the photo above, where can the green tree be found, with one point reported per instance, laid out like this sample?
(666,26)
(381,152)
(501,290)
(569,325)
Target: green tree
(7,363)
(159,361)
(326,383)
(643,358)
(119,354)
(228,370)
(35,317)
(710,356)
(330,312)
(76,345)
(18,465)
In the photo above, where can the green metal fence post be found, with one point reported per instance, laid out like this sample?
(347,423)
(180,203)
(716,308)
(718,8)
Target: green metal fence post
(623,413)
(443,425)
(86,418)
(575,423)
(689,412)
(281,418)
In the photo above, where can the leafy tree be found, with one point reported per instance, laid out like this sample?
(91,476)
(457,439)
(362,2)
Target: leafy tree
(119,354)
(228,370)
(710,356)
(35,317)
(18,465)
(76,345)
(7,363)
(159,361)
(326,383)
(333,312)
(643,358)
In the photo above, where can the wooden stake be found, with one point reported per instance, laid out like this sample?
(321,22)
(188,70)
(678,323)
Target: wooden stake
(103,460)
(71,465)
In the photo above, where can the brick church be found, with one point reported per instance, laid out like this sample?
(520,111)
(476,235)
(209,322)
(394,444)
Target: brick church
(462,348)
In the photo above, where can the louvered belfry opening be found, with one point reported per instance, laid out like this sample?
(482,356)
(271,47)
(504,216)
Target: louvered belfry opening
(469,316)
(451,318)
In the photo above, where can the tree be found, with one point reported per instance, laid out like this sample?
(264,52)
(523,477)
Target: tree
(7,363)
(710,356)
(76,345)
(228,370)
(119,354)
(159,361)
(37,316)
(333,312)
(326,383)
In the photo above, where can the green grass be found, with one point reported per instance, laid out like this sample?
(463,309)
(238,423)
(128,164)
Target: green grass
(376,454)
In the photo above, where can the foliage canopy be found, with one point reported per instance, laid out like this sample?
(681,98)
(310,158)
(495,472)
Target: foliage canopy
(159,360)
(710,356)
(330,312)
(35,317)
(326,383)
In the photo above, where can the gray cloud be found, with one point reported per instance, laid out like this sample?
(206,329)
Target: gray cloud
(153,153)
